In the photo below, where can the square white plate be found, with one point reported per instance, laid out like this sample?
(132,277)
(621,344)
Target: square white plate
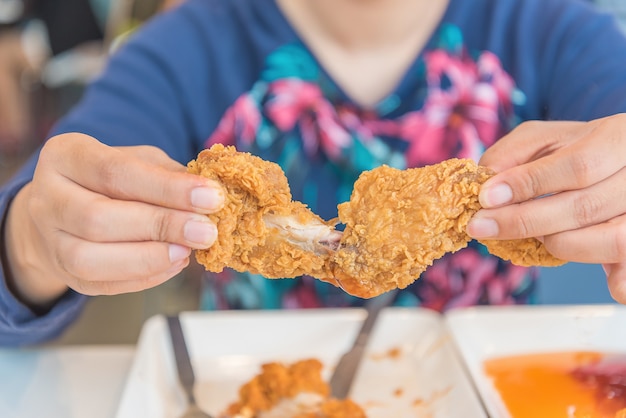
(227,349)
(484,332)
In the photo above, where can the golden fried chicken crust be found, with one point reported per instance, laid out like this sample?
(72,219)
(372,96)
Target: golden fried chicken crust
(397,223)
(278,382)
(260,229)
(527,252)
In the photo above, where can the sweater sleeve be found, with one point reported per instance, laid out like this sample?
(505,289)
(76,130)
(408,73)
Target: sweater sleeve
(19,325)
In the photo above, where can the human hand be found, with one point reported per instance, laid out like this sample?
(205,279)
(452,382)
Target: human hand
(564,183)
(105,220)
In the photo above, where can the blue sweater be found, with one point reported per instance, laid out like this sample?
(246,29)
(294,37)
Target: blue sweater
(184,81)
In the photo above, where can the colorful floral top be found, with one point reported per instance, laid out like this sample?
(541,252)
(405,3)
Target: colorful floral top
(453,103)
(235,71)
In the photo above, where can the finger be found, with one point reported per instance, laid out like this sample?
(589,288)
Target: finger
(103,262)
(114,173)
(604,243)
(576,209)
(97,218)
(594,157)
(127,286)
(616,281)
(156,156)
(530,141)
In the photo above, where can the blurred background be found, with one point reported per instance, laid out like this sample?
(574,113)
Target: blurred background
(49,51)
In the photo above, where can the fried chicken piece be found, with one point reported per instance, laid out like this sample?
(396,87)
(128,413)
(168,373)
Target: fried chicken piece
(399,221)
(260,228)
(523,252)
(294,391)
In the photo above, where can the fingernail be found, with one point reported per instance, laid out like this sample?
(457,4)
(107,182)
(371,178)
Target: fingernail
(207,198)
(496,195)
(482,228)
(199,233)
(178,253)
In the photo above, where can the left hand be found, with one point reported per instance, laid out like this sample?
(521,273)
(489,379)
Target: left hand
(565,184)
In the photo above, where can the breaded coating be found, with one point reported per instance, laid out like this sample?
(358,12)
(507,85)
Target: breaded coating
(397,223)
(523,252)
(297,388)
(260,229)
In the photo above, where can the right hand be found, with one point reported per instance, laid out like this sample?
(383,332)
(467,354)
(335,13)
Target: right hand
(105,220)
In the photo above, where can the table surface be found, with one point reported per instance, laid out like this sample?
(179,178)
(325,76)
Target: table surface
(63,382)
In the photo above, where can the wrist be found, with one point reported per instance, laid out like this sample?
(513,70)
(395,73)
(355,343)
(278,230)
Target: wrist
(26,275)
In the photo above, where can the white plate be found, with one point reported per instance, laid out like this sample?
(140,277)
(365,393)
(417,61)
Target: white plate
(484,332)
(227,349)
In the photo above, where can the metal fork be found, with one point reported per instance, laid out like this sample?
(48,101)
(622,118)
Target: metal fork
(183,367)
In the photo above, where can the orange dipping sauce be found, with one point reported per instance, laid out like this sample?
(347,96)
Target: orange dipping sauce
(577,384)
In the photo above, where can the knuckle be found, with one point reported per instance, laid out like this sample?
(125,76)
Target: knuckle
(161,224)
(73,261)
(50,148)
(153,151)
(530,186)
(587,209)
(164,191)
(55,149)
(60,257)
(529,126)
(110,173)
(611,127)
(523,226)
(583,166)
(92,223)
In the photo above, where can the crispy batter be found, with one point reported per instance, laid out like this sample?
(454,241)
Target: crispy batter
(397,223)
(523,252)
(260,229)
(278,382)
